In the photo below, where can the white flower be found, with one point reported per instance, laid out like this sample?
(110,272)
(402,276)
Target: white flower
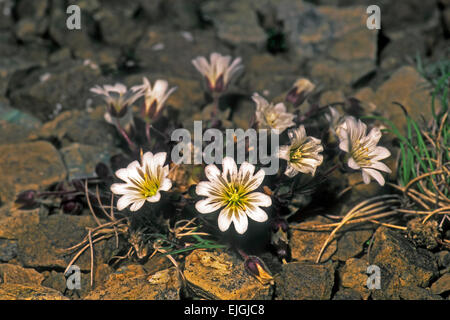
(271,116)
(362,149)
(219,72)
(118,99)
(303,153)
(232,191)
(155,96)
(143,182)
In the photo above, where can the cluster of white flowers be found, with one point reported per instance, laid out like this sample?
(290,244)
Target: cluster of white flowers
(233,190)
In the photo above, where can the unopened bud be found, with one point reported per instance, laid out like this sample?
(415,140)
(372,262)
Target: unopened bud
(102,170)
(71,207)
(300,91)
(257,268)
(27,199)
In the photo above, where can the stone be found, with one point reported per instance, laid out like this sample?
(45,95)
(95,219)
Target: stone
(15,125)
(81,127)
(401,264)
(306,245)
(170,53)
(347,294)
(236,25)
(14,274)
(28,292)
(423,235)
(443,258)
(66,86)
(117,29)
(299,281)
(416,293)
(40,168)
(353,275)
(29,30)
(81,160)
(8,249)
(351,244)
(32,8)
(221,276)
(133,283)
(407,87)
(41,245)
(441,285)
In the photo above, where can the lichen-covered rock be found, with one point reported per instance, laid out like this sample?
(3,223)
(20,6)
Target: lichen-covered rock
(416,293)
(353,275)
(401,263)
(306,245)
(12,291)
(351,244)
(407,87)
(219,275)
(14,274)
(441,285)
(133,283)
(29,165)
(299,281)
(8,249)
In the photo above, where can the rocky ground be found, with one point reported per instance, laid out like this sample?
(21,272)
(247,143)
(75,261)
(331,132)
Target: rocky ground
(52,129)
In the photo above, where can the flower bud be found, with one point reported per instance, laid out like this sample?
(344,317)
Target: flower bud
(102,171)
(257,268)
(279,238)
(71,207)
(27,199)
(300,91)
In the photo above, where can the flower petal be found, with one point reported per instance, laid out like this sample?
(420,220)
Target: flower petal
(154,198)
(229,168)
(137,205)
(166,185)
(257,214)
(125,201)
(259,199)
(240,222)
(375,174)
(207,205)
(224,220)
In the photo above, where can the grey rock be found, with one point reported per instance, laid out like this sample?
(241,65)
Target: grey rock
(8,250)
(299,281)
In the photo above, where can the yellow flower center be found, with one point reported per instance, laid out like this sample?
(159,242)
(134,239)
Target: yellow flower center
(149,187)
(360,154)
(235,197)
(270,118)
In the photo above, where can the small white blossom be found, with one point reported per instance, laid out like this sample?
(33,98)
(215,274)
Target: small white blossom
(118,99)
(219,71)
(143,181)
(334,118)
(303,153)
(155,96)
(270,116)
(233,192)
(362,149)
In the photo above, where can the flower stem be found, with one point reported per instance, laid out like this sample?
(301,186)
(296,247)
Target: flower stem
(122,131)
(147,131)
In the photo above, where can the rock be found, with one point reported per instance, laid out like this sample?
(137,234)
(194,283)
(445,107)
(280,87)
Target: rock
(183,14)
(441,285)
(41,245)
(15,125)
(298,281)
(340,74)
(351,244)
(443,258)
(65,86)
(353,275)
(14,274)
(423,235)
(133,283)
(13,224)
(170,53)
(29,30)
(416,293)
(81,127)
(219,275)
(40,168)
(236,22)
(8,249)
(16,60)
(32,8)
(408,88)
(401,264)
(306,245)
(347,294)
(81,160)
(117,29)
(28,292)
(6,10)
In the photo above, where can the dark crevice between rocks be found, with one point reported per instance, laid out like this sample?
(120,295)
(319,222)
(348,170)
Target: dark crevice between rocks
(48,269)
(382,42)
(336,283)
